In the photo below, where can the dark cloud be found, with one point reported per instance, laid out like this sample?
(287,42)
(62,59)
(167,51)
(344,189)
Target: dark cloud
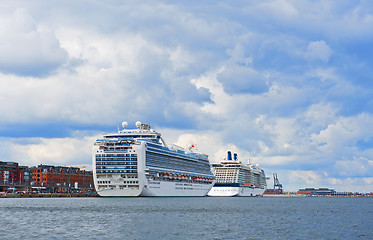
(241,80)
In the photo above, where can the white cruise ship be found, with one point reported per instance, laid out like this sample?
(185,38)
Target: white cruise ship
(234,178)
(137,162)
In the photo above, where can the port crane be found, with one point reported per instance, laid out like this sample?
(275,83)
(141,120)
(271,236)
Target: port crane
(276,182)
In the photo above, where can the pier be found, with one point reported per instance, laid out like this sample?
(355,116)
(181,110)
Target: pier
(46,195)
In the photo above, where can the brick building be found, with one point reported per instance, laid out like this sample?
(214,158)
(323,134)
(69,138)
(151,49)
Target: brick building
(273,192)
(317,192)
(13,177)
(60,179)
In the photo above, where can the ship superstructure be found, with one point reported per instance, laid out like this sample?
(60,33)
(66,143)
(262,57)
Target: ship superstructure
(137,162)
(234,178)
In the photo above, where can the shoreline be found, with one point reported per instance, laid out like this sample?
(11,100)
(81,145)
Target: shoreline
(46,195)
(65,195)
(312,196)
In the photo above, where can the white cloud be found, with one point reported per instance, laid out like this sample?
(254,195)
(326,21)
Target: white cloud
(181,59)
(333,19)
(280,9)
(344,133)
(310,178)
(55,151)
(358,166)
(318,50)
(27,49)
(111,74)
(318,116)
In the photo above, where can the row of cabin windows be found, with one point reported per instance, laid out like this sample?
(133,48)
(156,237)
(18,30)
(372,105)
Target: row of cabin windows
(116,171)
(98,159)
(103,182)
(116,155)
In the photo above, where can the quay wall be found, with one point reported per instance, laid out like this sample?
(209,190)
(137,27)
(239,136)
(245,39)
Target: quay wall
(46,195)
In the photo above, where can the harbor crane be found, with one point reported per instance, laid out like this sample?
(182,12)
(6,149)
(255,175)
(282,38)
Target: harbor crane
(276,182)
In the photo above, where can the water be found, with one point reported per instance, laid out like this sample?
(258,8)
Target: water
(186,218)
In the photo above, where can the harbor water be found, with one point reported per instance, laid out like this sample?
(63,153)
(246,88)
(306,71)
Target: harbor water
(187,218)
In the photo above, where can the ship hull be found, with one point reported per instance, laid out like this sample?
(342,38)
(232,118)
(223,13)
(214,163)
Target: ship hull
(176,189)
(237,191)
(160,189)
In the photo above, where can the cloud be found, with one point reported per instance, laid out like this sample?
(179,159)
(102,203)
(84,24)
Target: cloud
(318,50)
(240,79)
(122,67)
(70,151)
(331,19)
(309,177)
(344,133)
(27,48)
(357,167)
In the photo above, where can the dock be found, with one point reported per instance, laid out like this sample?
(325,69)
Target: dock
(46,195)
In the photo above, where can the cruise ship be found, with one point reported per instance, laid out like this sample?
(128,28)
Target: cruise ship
(234,178)
(137,162)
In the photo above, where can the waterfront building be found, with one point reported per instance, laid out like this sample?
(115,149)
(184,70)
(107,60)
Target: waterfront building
(269,191)
(317,192)
(48,178)
(13,177)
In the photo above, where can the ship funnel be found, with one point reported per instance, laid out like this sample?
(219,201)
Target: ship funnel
(229,156)
(235,157)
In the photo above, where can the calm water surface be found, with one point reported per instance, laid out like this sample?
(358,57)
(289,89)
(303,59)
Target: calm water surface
(186,218)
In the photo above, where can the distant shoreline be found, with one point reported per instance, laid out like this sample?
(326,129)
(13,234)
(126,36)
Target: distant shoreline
(65,195)
(305,195)
(46,195)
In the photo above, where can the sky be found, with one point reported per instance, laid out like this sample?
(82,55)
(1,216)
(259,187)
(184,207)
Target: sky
(287,84)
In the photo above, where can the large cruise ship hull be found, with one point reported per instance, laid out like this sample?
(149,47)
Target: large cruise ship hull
(227,191)
(160,189)
(164,189)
